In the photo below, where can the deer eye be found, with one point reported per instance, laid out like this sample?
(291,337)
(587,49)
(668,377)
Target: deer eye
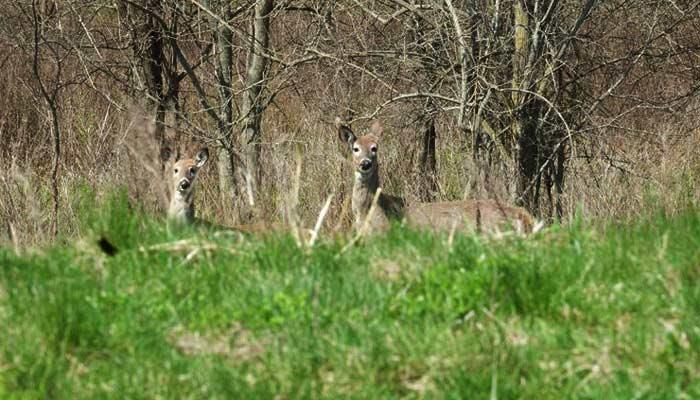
(192,170)
(176,170)
(373,149)
(356,149)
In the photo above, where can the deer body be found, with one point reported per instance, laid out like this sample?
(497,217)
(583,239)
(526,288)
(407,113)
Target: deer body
(481,216)
(182,207)
(363,193)
(184,175)
(182,187)
(366,184)
(477,215)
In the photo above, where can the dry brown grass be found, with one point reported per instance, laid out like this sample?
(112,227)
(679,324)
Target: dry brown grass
(612,175)
(106,149)
(658,170)
(236,343)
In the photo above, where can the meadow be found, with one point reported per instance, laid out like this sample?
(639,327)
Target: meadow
(584,113)
(582,311)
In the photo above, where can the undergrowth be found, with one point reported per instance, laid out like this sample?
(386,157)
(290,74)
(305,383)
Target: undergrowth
(573,312)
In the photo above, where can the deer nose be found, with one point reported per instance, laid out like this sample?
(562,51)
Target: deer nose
(365,164)
(184,184)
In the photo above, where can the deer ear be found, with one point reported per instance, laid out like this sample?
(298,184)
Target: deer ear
(345,134)
(202,157)
(376,129)
(166,153)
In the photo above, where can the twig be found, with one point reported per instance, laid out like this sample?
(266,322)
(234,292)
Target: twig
(188,246)
(293,201)
(406,96)
(462,63)
(319,221)
(13,236)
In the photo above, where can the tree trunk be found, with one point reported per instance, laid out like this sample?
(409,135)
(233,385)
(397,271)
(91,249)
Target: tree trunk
(427,166)
(427,45)
(527,181)
(224,67)
(251,106)
(524,113)
(50,96)
(147,46)
(170,103)
(558,178)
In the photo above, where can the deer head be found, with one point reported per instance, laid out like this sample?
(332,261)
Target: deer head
(364,149)
(183,174)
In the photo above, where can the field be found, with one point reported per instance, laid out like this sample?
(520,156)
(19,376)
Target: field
(585,114)
(580,312)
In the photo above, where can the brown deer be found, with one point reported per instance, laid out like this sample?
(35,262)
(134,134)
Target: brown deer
(181,187)
(182,182)
(488,216)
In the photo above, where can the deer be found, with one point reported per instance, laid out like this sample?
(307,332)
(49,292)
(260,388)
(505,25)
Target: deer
(374,210)
(181,209)
(182,184)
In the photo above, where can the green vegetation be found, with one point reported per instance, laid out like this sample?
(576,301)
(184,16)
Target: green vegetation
(575,312)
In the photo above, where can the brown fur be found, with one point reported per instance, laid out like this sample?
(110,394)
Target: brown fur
(482,216)
(487,216)
(184,174)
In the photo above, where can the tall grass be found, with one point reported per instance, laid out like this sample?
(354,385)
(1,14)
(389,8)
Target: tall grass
(574,312)
(121,152)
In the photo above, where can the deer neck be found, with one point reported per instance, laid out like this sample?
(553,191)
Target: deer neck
(182,207)
(363,193)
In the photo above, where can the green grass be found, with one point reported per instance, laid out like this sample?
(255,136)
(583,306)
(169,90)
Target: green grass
(576,312)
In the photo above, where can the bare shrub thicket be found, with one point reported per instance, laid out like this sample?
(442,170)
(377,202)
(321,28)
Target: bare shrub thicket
(553,105)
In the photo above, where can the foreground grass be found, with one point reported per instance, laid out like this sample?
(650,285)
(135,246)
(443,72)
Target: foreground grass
(577,313)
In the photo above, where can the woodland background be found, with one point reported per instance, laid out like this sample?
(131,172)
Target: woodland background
(559,106)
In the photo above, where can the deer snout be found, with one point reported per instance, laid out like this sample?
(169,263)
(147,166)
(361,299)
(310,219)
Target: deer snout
(184,185)
(365,165)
